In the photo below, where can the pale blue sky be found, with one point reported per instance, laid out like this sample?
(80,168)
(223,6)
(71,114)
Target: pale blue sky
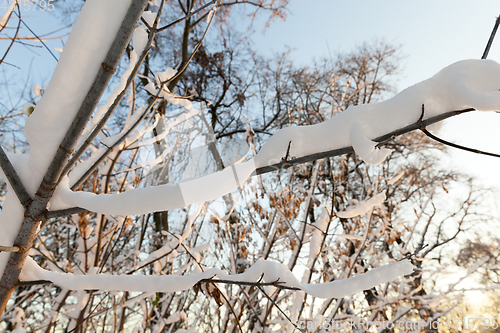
(432,33)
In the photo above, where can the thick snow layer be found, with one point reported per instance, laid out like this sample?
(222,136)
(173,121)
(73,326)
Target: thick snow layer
(363,207)
(83,54)
(272,272)
(464,84)
(156,198)
(467,83)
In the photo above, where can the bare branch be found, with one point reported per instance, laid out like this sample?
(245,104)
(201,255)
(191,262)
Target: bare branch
(14,179)
(492,36)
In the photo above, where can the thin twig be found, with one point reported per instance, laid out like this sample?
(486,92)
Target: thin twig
(451,144)
(34,34)
(181,71)
(276,305)
(408,256)
(9,248)
(276,284)
(230,308)
(14,180)
(492,36)
(287,155)
(13,40)
(187,16)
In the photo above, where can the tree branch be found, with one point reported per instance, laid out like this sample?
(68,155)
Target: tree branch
(492,36)
(447,143)
(34,214)
(349,149)
(13,179)
(116,102)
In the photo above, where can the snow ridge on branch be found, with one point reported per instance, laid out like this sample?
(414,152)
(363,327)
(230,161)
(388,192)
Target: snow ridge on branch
(270,271)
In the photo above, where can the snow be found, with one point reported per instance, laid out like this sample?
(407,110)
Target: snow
(270,270)
(363,207)
(139,41)
(166,75)
(17,320)
(72,79)
(55,111)
(211,14)
(165,93)
(467,83)
(317,235)
(5,18)
(149,17)
(175,317)
(365,148)
(464,84)
(396,178)
(155,198)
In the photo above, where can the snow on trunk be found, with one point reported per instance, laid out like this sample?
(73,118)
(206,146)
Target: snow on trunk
(83,54)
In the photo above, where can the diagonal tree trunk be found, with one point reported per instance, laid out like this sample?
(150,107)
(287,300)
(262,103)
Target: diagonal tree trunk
(35,209)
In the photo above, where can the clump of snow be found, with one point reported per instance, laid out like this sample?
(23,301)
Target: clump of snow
(165,93)
(364,147)
(149,17)
(175,317)
(37,90)
(166,75)
(28,108)
(17,321)
(5,18)
(363,207)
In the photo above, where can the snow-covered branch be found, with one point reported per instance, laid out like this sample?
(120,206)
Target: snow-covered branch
(269,271)
(464,86)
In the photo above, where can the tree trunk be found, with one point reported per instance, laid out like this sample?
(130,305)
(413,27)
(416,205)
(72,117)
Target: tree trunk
(36,209)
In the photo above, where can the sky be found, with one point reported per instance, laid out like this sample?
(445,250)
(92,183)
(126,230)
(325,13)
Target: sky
(432,35)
